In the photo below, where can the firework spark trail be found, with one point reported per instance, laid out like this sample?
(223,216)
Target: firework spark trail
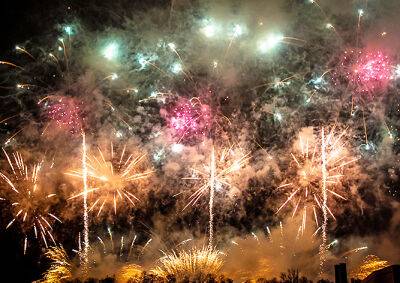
(144,247)
(131,246)
(110,178)
(29,201)
(217,174)
(189,119)
(355,250)
(194,265)
(315,169)
(368,72)
(322,248)
(84,258)
(370,264)
(60,268)
(310,182)
(211,203)
(11,64)
(23,50)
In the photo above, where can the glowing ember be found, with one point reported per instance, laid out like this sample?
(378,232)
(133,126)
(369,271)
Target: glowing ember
(111,178)
(306,185)
(370,264)
(189,119)
(194,264)
(367,72)
(31,204)
(65,112)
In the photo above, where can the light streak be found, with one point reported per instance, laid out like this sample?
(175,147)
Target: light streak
(85,258)
(194,264)
(110,178)
(31,204)
(216,175)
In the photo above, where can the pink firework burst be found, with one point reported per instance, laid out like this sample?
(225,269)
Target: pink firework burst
(188,118)
(64,111)
(368,72)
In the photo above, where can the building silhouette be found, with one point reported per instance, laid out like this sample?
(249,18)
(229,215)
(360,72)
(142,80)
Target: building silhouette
(389,274)
(340,273)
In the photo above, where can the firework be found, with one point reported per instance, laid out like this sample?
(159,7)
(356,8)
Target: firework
(60,268)
(193,265)
(64,111)
(31,205)
(188,119)
(151,78)
(112,177)
(111,50)
(368,72)
(270,42)
(308,160)
(319,167)
(209,28)
(352,251)
(131,273)
(216,175)
(122,247)
(265,254)
(370,264)
(84,254)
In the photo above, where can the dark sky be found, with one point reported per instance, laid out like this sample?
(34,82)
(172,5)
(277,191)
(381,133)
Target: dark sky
(20,20)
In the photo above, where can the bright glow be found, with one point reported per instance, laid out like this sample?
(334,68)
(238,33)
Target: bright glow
(68,30)
(215,65)
(176,68)
(278,116)
(370,264)
(318,82)
(188,119)
(177,147)
(113,178)
(159,155)
(119,134)
(172,45)
(360,12)
(269,42)
(329,26)
(397,71)
(144,60)
(237,31)
(209,29)
(371,71)
(279,84)
(110,51)
(114,76)
(184,265)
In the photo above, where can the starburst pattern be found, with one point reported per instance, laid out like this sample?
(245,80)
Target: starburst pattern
(112,178)
(31,204)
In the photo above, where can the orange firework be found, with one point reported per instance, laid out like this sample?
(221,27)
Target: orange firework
(215,175)
(370,264)
(111,178)
(31,205)
(317,167)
